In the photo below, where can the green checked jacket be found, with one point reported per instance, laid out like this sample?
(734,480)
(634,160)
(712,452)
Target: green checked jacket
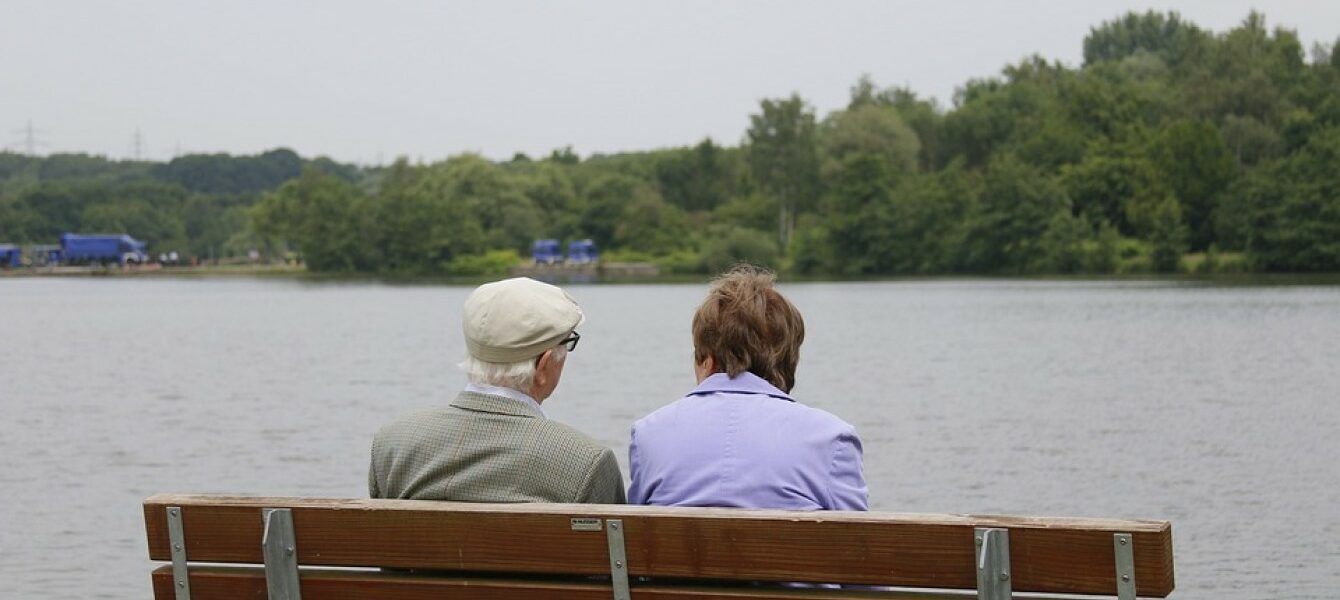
(484,448)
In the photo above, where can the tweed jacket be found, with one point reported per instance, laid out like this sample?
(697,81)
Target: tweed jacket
(486,448)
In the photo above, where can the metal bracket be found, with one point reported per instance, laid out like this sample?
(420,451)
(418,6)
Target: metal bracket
(181,580)
(1123,546)
(281,555)
(993,563)
(618,559)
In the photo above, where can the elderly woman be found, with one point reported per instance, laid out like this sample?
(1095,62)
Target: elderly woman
(739,439)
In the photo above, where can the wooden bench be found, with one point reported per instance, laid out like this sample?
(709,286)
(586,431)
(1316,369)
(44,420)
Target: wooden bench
(406,549)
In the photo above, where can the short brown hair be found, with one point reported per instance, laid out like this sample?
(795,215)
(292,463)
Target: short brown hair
(747,325)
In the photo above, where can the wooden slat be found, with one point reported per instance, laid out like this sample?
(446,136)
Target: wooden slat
(224,583)
(236,583)
(906,550)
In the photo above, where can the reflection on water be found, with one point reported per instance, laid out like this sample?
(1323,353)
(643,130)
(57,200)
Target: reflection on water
(1210,406)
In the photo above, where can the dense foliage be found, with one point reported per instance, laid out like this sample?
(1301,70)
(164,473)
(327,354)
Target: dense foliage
(1168,142)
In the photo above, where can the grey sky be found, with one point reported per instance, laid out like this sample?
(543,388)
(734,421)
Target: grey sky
(361,80)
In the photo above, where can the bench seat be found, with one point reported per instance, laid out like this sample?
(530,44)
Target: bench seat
(406,549)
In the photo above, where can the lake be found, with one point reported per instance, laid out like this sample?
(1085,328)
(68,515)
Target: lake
(1213,406)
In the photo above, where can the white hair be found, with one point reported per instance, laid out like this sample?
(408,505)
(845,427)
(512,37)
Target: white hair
(518,375)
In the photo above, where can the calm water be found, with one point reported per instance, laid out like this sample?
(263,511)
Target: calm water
(1213,407)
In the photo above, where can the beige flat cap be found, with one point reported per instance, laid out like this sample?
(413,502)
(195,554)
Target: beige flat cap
(515,319)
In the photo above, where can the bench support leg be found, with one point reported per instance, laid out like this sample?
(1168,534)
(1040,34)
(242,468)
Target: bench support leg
(618,559)
(1123,546)
(279,547)
(181,579)
(993,563)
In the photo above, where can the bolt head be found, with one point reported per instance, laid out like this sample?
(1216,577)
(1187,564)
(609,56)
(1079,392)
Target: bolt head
(1125,577)
(614,525)
(618,564)
(181,584)
(1004,576)
(1122,541)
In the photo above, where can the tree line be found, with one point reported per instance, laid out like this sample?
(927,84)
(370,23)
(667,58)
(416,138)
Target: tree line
(1170,148)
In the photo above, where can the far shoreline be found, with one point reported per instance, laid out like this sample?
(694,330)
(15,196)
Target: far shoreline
(299,273)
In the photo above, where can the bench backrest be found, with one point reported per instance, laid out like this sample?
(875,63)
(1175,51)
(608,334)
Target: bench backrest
(511,549)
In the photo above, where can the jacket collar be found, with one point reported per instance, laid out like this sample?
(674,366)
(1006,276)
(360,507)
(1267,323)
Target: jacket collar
(498,405)
(744,383)
(494,390)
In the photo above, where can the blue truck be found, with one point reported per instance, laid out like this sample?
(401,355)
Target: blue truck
(546,252)
(77,249)
(582,252)
(10,256)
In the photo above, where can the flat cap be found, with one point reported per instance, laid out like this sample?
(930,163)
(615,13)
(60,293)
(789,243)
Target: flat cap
(515,319)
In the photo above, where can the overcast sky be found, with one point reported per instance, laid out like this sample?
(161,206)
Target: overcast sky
(367,81)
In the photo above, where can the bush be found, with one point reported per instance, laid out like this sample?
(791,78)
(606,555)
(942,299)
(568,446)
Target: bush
(493,262)
(1203,263)
(624,255)
(810,251)
(725,247)
(1234,262)
(1102,255)
(1213,261)
(681,262)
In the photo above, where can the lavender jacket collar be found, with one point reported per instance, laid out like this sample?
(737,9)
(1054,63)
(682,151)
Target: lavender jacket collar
(744,383)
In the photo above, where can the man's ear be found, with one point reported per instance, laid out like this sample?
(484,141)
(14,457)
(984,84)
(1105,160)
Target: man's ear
(542,366)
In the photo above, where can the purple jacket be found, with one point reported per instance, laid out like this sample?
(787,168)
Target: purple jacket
(743,443)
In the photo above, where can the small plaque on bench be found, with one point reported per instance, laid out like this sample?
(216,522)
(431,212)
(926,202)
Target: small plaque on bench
(585,524)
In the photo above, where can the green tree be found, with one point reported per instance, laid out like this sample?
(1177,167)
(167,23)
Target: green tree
(933,215)
(1102,255)
(604,205)
(861,216)
(649,224)
(872,130)
(49,209)
(1251,140)
(755,211)
(926,119)
(222,173)
(811,251)
(727,245)
(211,221)
(1167,236)
(994,115)
(1115,184)
(1017,204)
(1062,245)
(403,209)
(320,215)
(1295,209)
(783,158)
(1164,35)
(1198,167)
(698,178)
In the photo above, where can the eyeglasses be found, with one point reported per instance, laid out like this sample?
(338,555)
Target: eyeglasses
(571,341)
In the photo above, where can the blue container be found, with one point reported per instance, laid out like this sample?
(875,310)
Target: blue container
(11,256)
(546,252)
(582,252)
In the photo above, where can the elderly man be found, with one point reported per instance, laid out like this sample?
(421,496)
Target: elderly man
(493,443)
